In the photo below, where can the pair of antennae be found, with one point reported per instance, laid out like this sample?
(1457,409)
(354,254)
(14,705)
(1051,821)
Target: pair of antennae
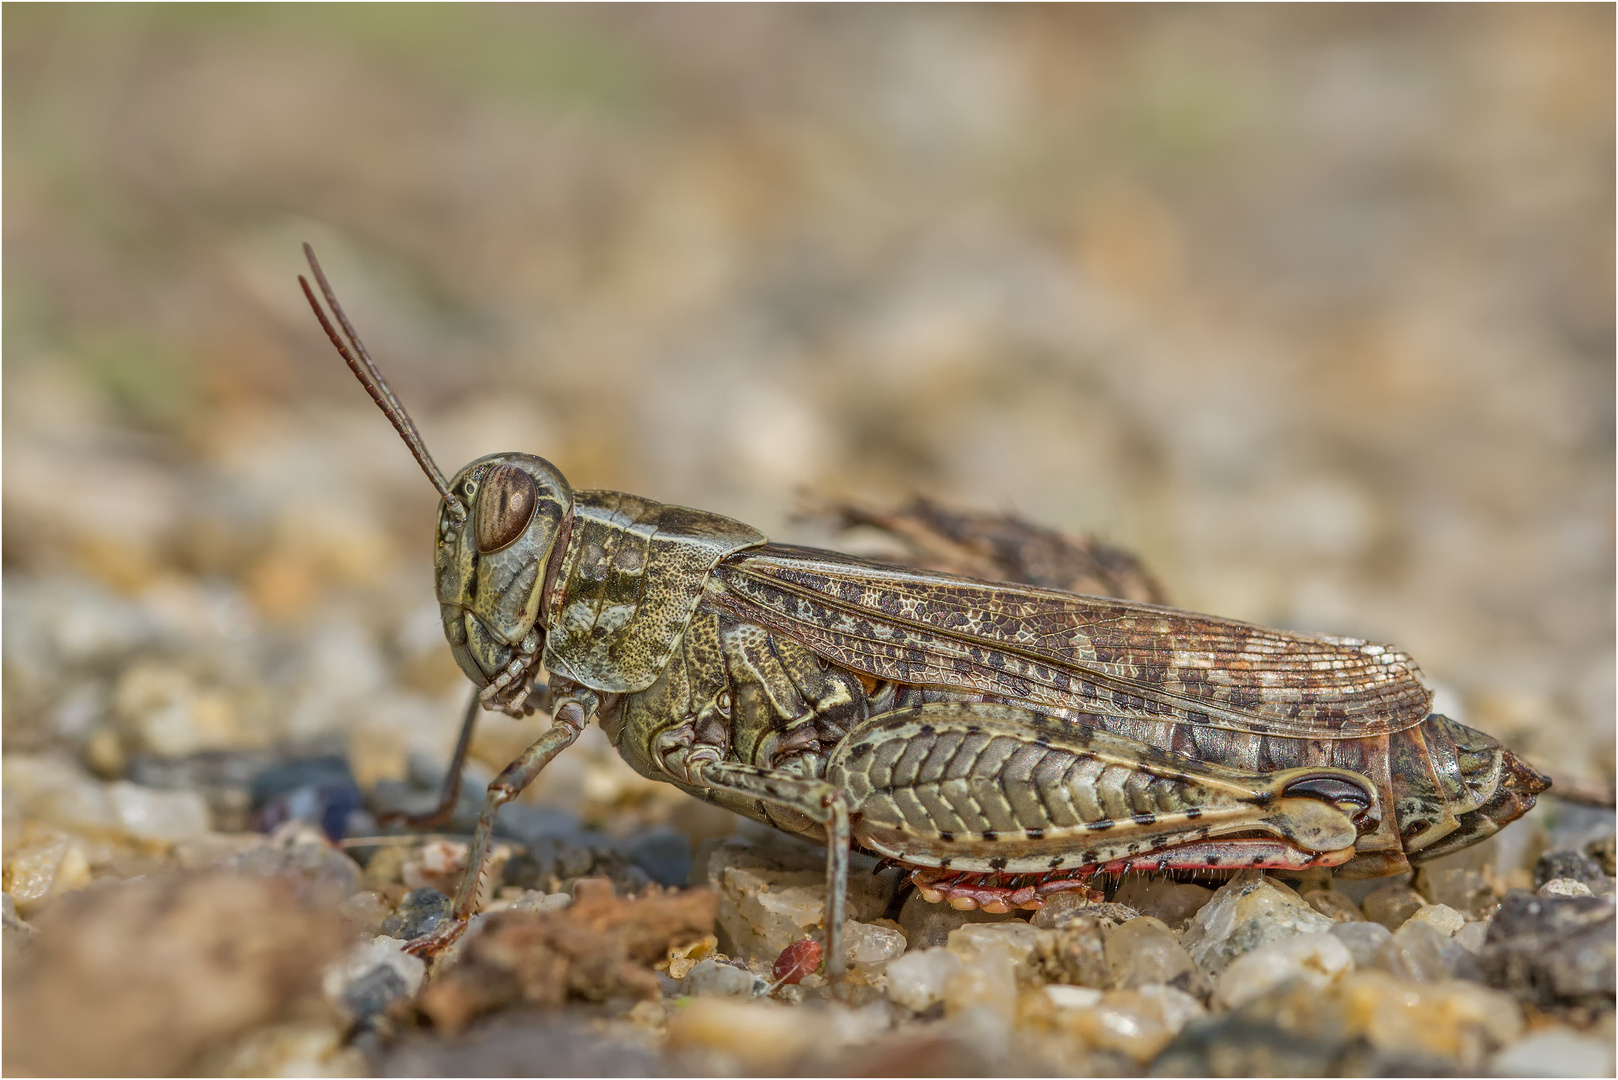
(359,362)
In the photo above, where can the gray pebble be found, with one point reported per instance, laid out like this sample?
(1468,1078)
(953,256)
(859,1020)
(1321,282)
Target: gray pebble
(371,994)
(1415,951)
(928,925)
(665,856)
(520,1045)
(420,912)
(1392,904)
(1601,850)
(1552,952)
(1364,940)
(1570,865)
(710,978)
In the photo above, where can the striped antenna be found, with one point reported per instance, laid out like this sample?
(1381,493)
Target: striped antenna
(359,362)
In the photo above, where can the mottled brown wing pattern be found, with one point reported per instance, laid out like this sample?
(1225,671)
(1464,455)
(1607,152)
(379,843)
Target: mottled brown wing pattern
(1094,654)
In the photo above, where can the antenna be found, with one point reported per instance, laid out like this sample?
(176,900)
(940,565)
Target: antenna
(364,369)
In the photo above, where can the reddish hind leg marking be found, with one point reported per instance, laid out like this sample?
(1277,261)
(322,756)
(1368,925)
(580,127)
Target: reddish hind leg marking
(997,893)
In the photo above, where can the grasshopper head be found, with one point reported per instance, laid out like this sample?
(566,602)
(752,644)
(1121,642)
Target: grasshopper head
(497,524)
(495,538)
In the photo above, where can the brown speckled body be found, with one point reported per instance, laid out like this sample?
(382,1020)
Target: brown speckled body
(957,725)
(760,672)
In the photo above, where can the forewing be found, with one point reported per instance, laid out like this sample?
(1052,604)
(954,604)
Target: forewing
(1093,654)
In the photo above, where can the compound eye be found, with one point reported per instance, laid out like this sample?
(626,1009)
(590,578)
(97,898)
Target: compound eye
(505,505)
(1335,790)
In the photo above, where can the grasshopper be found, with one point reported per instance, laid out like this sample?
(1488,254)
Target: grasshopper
(1001,742)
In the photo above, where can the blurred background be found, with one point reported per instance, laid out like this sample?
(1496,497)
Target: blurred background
(1311,307)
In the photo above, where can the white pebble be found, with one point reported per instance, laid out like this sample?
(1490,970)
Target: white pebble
(366,957)
(1317,958)
(1013,940)
(1248,911)
(1179,1008)
(1564,887)
(1441,917)
(1556,1051)
(1072,997)
(916,980)
(1472,936)
(164,816)
(710,978)
(534,900)
(869,945)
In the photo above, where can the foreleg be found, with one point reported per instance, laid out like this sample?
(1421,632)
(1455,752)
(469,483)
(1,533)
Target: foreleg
(573,711)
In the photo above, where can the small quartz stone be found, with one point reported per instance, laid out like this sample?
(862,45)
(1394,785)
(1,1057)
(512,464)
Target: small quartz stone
(1564,887)
(1415,951)
(1178,1008)
(1572,865)
(1458,1020)
(298,1049)
(162,816)
(1364,940)
(43,865)
(1250,910)
(18,935)
(1127,1022)
(989,982)
(1335,905)
(364,911)
(869,945)
(302,851)
(1063,906)
(1601,850)
(1064,996)
(1295,1030)
(420,912)
(1392,904)
(917,979)
(710,978)
(1472,936)
(763,911)
(682,958)
(665,855)
(1143,951)
(760,1036)
(1555,1051)
(1317,959)
(1462,888)
(58,792)
(773,892)
(375,973)
(1552,952)
(1173,902)
(1441,917)
(845,1026)
(928,925)
(169,713)
(535,900)
(1076,953)
(1015,940)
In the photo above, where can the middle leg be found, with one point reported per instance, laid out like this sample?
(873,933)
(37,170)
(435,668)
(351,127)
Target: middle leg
(815,799)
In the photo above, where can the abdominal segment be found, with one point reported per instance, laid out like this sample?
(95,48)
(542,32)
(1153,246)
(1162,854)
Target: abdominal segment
(999,806)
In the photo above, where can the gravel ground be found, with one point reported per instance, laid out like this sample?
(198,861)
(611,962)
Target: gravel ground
(1310,309)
